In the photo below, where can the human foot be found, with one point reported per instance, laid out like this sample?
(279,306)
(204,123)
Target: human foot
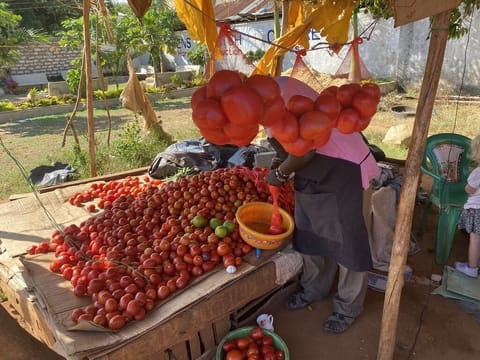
(467,270)
(337,323)
(297,301)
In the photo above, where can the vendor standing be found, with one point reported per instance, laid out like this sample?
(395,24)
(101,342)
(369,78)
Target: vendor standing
(330,229)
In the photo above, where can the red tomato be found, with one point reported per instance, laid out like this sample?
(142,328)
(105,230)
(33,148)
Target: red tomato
(234,355)
(298,147)
(240,135)
(286,130)
(256,333)
(273,110)
(221,82)
(229,345)
(208,114)
(365,104)
(372,89)
(299,104)
(242,105)
(314,124)
(331,90)
(215,136)
(347,122)
(363,124)
(199,95)
(329,105)
(242,343)
(117,322)
(345,93)
(265,85)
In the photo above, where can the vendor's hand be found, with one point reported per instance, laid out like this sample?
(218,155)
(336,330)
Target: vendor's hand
(272,179)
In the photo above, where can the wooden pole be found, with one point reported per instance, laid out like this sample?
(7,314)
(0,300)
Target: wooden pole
(411,178)
(89,87)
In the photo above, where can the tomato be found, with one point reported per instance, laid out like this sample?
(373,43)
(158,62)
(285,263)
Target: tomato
(221,82)
(372,89)
(117,322)
(240,135)
(279,355)
(273,111)
(229,345)
(331,90)
(242,343)
(346,92)
(215,136)
(208,114)
(286,130)
(234,355)
(348,121)
(256,333)
(242,105)
(299,147)
(199,95)
(329,105)
(299,104)
(363,124)
(365,104)
(266,86)
(314,124)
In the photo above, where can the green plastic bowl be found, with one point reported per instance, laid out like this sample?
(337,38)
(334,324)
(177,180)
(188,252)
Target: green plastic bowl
(245,331)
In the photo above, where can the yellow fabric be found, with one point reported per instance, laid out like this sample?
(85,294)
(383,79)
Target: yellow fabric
(199,19)
(330,19)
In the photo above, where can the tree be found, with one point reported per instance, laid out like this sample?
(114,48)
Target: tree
(457,27)
(12,35)
(45,15)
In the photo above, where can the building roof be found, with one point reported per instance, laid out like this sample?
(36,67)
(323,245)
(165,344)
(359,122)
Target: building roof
(243,10)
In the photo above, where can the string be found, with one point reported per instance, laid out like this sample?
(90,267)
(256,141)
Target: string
(318,46)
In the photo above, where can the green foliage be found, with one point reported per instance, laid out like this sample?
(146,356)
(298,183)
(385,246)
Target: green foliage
(73,79)
(254,56)
(135,148)
(12,35)
(6,106)
(198,55)
(109,94)
(45,15)
(176,79)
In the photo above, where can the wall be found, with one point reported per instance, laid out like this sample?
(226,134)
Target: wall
(51,59)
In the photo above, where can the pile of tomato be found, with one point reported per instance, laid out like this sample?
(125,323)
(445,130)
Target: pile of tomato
(258,345)
(231,107)
(148,244)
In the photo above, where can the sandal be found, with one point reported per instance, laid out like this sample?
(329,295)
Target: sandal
(297,301)
(337,323)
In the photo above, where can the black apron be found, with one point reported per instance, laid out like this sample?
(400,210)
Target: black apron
(329,212)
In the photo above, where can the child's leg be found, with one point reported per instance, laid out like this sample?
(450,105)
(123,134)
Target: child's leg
(474,250)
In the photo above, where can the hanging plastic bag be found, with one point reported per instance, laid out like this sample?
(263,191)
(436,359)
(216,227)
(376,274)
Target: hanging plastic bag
(352,66)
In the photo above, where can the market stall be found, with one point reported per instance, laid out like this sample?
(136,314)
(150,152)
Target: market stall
(187,325)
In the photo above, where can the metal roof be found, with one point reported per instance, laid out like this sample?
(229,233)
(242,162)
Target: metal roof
(243,10)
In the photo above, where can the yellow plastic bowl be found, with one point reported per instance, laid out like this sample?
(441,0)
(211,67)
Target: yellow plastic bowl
(254,221)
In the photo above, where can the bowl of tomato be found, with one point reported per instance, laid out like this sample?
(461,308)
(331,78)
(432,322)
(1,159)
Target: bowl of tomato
(254,221)
(252,342)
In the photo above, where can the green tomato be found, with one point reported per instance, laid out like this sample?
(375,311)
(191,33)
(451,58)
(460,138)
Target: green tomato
(221,231)
(230,225)
(199,221)
(214,223)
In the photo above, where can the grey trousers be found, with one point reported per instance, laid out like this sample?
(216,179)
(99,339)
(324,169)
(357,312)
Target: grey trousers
(317,280)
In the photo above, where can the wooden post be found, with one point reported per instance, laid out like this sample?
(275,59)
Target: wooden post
(411,178)
(89,87)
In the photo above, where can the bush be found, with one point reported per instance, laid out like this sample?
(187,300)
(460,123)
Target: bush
(6,106)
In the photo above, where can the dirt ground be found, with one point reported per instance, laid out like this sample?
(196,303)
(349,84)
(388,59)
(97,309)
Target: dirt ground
(429,326)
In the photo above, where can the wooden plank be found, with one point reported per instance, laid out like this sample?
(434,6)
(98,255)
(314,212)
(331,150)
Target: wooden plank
(207,337)
(179,351)
(222,328)
(195,346)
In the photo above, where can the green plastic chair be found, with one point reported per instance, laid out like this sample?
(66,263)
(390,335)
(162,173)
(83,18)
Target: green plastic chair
(446,160)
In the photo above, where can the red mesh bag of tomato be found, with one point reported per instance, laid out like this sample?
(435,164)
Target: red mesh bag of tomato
(227,55)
